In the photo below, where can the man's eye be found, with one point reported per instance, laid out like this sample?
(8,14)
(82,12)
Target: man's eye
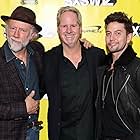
(107,34)
(22,30)
(118,33)
(12,28)
(73,25)
(63,26)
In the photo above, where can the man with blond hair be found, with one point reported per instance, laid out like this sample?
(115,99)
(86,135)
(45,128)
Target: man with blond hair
(70,80)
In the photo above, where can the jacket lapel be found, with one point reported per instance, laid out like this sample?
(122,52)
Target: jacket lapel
(12,73)
(90,69)
(58,62)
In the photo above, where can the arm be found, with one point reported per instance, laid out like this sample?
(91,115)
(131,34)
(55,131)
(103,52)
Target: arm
(136,134)
(87,44)
(13,110)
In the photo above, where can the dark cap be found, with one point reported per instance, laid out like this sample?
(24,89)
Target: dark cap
(25,15)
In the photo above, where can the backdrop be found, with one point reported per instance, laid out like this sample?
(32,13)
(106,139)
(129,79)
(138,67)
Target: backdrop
(93,15)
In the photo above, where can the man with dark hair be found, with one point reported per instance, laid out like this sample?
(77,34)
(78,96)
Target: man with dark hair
(20,72)
(118,99)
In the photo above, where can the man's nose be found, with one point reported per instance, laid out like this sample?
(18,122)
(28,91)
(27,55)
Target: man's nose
(69,29)
(16,33)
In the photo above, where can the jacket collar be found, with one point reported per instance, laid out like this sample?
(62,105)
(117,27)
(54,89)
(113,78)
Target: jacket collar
(127,56)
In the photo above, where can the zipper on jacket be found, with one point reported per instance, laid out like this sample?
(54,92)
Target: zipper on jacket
(127,78)
(104,92)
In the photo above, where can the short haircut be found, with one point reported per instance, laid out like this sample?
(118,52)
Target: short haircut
(120,17)
(71,9)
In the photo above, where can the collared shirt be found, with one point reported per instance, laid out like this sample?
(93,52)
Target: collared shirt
(27,74)
(77,104)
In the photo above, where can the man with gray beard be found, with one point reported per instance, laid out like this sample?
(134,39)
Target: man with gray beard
(20,71)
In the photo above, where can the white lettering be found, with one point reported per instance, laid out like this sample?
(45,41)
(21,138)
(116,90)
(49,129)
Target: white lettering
(68,2)
(135,30)
(84,2)
(89,2)
(107,3)
(76,2)
(95,2)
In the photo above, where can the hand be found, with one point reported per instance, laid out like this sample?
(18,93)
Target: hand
(87,44)
(31,104)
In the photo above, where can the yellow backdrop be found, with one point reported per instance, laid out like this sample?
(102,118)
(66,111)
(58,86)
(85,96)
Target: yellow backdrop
(93,13)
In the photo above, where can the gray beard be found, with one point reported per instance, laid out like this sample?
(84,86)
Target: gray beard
(16,46)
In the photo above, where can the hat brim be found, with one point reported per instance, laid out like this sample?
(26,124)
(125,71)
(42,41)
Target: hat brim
(38,28)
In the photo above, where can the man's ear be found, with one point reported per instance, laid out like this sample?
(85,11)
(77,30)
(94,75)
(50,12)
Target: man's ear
(34,36)
(129,37)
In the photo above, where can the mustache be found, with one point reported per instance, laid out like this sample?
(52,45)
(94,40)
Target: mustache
(15,40)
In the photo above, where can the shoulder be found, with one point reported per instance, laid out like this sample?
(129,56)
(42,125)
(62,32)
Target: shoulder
(53,51)
(97,50)
(96,53)
(2,54)
(96,56)
(1,49)
(37,47)
(136,63)
(52,57)
(133,67)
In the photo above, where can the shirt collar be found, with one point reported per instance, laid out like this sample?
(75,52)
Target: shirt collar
(8,53)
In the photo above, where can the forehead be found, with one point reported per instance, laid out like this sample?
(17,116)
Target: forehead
(67,16)
(114,26)
(20,24)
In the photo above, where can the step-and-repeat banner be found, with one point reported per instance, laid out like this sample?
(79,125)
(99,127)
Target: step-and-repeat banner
(93,13)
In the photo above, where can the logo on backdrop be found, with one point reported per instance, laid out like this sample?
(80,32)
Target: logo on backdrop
(29,2)
(90,2)
(93,29)
(136,29)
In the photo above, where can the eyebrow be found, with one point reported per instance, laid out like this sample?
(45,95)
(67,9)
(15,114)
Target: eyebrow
(114,31)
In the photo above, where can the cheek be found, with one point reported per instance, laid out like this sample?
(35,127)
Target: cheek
(9,34)
(61,30)
(61,33)
(122,40)
(79,32)
(25,38)
(107,40)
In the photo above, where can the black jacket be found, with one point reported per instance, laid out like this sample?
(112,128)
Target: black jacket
(52,77)
(126,92)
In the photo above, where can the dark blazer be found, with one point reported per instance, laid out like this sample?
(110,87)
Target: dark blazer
(52,59)
(13,114)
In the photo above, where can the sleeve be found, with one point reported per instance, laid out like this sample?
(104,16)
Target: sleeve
(13,110)
(102,57)
(136,134)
